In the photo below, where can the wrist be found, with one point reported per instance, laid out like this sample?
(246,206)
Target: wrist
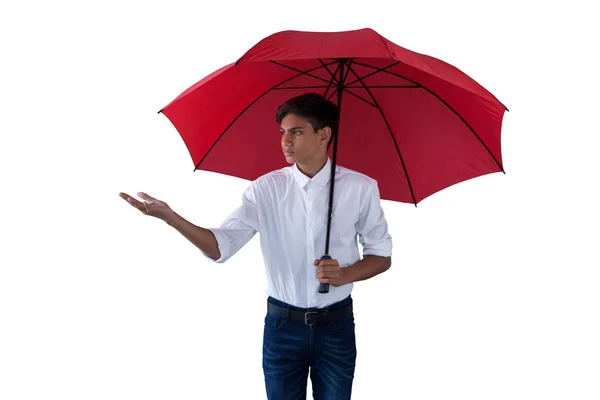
(170,218)
(346,273)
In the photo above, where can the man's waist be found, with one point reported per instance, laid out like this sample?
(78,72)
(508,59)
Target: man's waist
(312,315)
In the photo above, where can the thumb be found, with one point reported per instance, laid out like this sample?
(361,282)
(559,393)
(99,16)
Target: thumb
(316,262)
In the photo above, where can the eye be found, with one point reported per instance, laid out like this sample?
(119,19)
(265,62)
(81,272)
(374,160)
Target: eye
(294,132)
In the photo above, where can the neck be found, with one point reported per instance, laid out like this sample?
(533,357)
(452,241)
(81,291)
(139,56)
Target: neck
(312,167)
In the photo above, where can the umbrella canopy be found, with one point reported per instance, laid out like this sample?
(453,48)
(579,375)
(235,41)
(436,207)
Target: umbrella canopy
(412,122)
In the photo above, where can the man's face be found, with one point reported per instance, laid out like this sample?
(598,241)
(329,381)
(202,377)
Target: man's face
(299,141)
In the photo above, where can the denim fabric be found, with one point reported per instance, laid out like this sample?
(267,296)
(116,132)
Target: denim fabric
(292,349)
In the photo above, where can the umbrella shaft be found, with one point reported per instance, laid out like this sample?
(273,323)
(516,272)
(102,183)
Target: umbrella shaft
(335,143)
(324,287)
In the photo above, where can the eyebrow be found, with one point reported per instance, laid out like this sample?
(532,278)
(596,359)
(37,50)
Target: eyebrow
(293,128)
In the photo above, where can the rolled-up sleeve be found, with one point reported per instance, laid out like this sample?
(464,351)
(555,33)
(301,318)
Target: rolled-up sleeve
(238,228)
(372,227)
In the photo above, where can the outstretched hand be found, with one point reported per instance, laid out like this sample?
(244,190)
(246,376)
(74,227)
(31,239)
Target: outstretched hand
(151,206)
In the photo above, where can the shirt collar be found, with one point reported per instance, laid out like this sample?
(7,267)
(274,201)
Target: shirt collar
(321,178)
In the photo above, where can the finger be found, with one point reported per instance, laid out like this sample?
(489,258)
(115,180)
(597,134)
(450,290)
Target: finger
(130,199)
(328,274)
(328,262)
(143,207)
(124,196)
(322,263)
(145,196)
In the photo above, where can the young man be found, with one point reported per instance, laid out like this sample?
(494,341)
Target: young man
(304,329)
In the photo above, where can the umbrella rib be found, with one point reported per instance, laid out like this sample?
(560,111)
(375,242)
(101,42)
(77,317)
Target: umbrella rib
(332,78)
(447,105)
(373,73)
(385,87)
(332,94)
(412,193)
(250,105)
(348,71)
(363,99)
(303,72)
(328,70)
(344,79)
(301,87)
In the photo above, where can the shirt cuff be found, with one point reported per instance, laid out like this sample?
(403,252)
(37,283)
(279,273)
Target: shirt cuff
(382,250)
(223,245)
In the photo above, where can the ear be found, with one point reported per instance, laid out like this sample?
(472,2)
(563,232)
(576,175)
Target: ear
(325,135)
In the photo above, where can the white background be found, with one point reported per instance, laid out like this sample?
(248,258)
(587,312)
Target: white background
(493,292)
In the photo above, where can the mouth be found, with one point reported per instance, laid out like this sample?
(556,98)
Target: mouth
(288,152)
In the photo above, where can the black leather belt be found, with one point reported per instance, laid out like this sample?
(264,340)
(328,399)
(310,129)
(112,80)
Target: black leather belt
(317,317)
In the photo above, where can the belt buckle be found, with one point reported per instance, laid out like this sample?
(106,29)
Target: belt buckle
(306,317)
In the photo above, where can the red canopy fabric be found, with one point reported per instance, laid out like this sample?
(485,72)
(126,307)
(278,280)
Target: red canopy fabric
(412,122)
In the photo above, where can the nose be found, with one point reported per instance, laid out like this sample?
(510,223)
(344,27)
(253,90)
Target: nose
(287,138)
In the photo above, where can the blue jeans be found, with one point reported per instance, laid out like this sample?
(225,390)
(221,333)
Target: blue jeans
(290,348)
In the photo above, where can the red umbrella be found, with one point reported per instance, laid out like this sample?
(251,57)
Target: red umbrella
(429,125)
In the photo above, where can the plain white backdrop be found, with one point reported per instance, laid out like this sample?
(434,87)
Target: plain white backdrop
(493,292)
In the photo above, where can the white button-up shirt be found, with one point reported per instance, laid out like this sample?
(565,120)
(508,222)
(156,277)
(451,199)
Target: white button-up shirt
(289,210)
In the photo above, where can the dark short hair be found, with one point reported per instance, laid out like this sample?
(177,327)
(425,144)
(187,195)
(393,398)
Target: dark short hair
(313,107)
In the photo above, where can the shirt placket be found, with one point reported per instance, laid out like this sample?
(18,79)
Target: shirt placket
(311,272)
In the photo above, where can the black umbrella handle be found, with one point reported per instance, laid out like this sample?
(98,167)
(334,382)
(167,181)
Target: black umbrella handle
(324,287)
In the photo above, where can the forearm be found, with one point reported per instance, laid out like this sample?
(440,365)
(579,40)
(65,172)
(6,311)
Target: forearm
(200,237)
(366,268)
